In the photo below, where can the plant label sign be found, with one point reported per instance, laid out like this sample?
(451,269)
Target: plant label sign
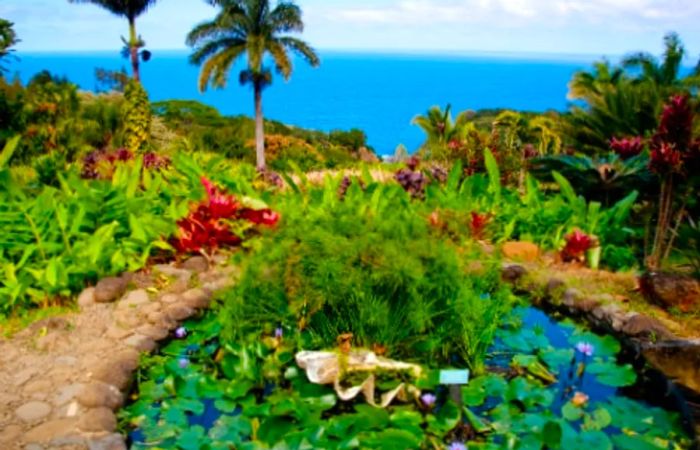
(454,377)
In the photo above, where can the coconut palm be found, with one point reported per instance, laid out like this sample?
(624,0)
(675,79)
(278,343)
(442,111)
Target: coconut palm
(257,29)
(8,39)
(664,72)
(441,129)
(130,9)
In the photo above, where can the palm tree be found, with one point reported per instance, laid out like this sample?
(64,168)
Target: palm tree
(131,9)
(8,39)
(664,72)
(257,29)
(441,129)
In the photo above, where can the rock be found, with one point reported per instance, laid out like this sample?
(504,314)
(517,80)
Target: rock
(217,285)
(196,298)
(645,326)
(10,433)
(169,299)
(66,361)
(125,318)
(118,333)
(112,372)
(49,431)
(98,420)
(127,360)
(67,393)
(40,385)
(32,411)
(109,289)
(172,271)
(111,442)
(678,360)
(140,343)
(134,299)
(179,312)
(86,298)
(513,272)
(671,290)
(196,264)
(98,394)
(553,287)
(606,313)
(586,305)
(153,332)
(571,296)
(25,375)
(520,251)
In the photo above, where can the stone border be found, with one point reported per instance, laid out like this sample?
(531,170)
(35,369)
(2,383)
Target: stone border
(145,308)
(678,359)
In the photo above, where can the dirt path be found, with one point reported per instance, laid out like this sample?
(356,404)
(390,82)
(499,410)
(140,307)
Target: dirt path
(62,378)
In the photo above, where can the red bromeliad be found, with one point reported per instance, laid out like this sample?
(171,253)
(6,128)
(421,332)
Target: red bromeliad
(627,147)
(577,243)
(208,226)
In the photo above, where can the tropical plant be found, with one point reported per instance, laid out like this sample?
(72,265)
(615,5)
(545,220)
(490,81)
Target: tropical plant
(254,28)
(664,72)
(136,114)
(8,39)
(443,133)
(131,10)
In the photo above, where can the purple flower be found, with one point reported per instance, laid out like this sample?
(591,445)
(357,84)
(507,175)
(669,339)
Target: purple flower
(428,399)
(180,332)
(457,446)
(586,348)
(279,332)
(183,362)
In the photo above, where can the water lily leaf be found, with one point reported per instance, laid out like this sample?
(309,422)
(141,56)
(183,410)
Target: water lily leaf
(392,439)
(587,440)
(636,442)
(446,419)
(532,364)
(551,434)
(407,420)
(571,412)
(611,374)
(225,406)
(174,416)
(525,340)
(369,417)
(479,425)
(480,388)
(555,358)
(273,429)
(192,438)
(598,420)
(528,393)
(230,429)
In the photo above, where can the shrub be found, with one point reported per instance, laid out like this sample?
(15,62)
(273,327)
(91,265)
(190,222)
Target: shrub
(366,265)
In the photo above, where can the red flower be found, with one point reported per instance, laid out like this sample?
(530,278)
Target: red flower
(221,206)
(665,158)
(577,243)
(260,216)
(672,145)
(627,147)
(478,223)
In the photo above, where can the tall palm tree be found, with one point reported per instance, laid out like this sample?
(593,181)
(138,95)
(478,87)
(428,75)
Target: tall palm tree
(130,9)
(8,39)
(664,72)
(254,28)
(440,128)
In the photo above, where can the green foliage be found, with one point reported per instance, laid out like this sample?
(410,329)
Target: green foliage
(362,264)
(8,39)
(136,114)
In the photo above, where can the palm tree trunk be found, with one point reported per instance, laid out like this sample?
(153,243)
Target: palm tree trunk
(259,129)
(134,49)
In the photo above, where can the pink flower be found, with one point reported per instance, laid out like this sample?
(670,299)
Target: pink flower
(428,400)
(585,348)
(627,147)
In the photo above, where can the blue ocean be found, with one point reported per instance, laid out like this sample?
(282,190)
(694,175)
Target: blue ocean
(378,93)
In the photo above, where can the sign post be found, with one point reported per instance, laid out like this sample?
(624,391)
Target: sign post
(454,379)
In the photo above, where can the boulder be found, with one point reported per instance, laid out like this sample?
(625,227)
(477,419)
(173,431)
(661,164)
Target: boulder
(98,420)
(520,251)
(109,289)
(670,290)
(640,325)
(513,272)
(33,411)
(196,298)
(196,264)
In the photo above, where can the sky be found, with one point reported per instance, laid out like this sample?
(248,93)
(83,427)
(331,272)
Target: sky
(575,27)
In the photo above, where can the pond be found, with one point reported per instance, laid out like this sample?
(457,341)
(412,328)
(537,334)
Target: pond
(548,384)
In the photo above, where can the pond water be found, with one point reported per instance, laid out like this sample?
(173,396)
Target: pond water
(517,397)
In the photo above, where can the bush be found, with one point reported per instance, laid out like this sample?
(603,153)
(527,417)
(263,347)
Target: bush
(366,265)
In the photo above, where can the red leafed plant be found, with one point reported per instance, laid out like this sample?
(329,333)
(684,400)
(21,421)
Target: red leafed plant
(627,147)
(210,224)
(477,224)
(577,243)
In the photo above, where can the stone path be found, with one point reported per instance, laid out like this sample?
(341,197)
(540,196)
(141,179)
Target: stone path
(63,378)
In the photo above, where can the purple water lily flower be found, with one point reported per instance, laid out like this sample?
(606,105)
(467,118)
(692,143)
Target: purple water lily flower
(181,332)
(183,362)
(586,348)
(428,399)
(457,446)
(279,332)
